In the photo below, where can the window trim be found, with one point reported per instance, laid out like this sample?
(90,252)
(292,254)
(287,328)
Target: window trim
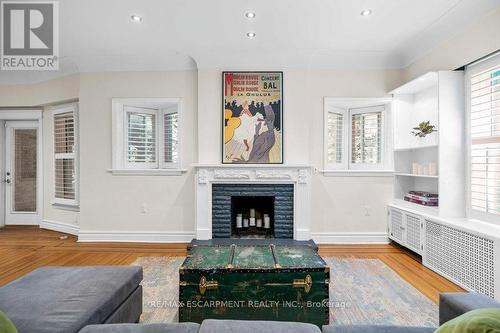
(346,104)
(64,108)
(120,165)
(478,66)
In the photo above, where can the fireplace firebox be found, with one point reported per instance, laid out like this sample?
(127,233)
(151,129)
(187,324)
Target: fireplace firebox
(252,216)
(252,211)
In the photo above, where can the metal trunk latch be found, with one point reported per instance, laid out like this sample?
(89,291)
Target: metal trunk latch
(303,283)
(204,285)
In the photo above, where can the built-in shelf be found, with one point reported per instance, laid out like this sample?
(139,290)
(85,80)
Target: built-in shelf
(416,207)
(412,175)
(414,148)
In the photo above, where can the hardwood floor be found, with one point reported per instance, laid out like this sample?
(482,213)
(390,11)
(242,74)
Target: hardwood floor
(22,249)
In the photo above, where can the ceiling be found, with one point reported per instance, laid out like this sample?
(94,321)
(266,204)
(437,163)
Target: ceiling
(98,35)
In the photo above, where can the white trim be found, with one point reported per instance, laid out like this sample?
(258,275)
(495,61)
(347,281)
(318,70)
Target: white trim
(357,173)
(60,227)
(136,236)
(350,237)
(21,114)
(251,166)
(147,172)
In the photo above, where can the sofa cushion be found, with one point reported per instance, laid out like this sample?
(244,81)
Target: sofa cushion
(248,326)
(142,328)
(376,329)
(452,305)
(66,299)
(475,321)
(6,325)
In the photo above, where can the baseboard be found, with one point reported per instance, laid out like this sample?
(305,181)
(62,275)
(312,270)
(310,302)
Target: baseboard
(135,236)
(60,227)
(350,237)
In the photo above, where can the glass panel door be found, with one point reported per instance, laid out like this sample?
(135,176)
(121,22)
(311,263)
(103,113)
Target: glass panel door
(22,172)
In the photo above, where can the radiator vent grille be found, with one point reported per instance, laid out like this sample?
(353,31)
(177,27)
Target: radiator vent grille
(466,258)
(397,224)
(413,232)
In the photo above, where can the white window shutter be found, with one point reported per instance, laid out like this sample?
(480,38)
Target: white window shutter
(64,157)
(171,137)
(141,145)
(335,128)
(485,140)
(366,135)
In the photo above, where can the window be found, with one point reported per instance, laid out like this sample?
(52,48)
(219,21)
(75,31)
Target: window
(366,135)
(354,135)
(65,155)
(484,132)
(335,136)
(146,134)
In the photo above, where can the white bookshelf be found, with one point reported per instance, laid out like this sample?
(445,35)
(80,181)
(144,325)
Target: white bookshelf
(436,97)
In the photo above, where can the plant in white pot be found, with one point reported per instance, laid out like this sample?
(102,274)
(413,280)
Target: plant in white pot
(423,129)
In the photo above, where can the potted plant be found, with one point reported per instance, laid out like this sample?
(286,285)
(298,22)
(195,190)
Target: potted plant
(423,129)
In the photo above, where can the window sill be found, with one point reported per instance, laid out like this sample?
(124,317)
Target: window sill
(73,208)
(357,173)
(147,172)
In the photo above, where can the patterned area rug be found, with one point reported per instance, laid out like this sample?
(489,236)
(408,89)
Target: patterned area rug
(362,291)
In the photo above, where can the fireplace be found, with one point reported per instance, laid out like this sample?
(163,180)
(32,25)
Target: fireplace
(252,211)
(289,185)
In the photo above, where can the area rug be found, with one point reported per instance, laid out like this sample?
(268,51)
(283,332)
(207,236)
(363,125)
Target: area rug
(362,291)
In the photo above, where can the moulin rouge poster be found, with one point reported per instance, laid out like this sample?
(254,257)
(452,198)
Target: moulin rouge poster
(253,116)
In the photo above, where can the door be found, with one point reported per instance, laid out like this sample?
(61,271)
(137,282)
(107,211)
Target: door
(22,173)
(396,225)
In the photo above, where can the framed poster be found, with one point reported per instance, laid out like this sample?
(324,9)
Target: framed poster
(252,131)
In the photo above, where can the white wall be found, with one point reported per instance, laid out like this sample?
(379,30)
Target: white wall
(43,94)
(338,203)
(467,45)
(111,203)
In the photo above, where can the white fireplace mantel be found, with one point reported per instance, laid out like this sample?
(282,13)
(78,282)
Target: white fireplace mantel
(298,175)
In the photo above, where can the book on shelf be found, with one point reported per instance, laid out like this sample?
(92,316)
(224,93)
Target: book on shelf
(422,198)
(423,203)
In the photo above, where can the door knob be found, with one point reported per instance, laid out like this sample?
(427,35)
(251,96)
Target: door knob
(7,178)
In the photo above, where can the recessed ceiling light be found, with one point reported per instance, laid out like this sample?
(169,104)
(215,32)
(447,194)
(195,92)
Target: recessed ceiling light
(250,34)
(136,18)
(366,12)
(250,14)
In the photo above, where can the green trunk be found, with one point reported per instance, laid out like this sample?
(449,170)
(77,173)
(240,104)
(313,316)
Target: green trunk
(254,283)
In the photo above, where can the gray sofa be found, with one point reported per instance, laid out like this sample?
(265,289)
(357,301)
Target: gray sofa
(108,299)
(451,305)
(66,299)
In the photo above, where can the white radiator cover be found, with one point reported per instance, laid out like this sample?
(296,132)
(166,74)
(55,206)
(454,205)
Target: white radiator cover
(470,259)
(466,252)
